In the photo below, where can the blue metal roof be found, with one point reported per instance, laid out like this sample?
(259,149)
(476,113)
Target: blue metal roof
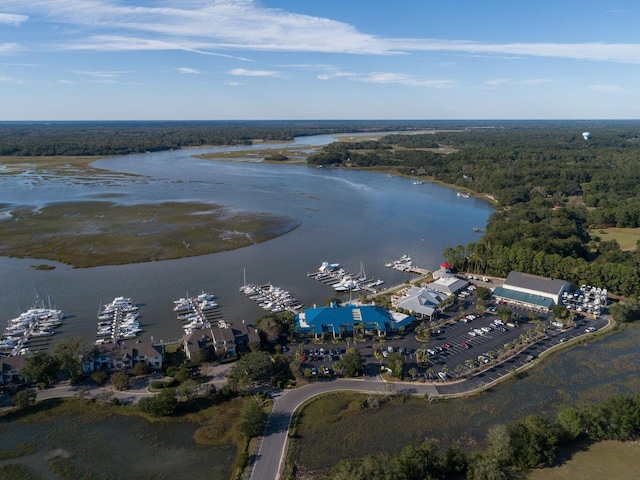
(337,320)
(522,297)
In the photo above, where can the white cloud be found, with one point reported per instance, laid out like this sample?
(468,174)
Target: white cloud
(66,82)
(607,88)
(388,78)
(208,26)
(242,72)
(12,19)
(534,81)
(230,83)
(102,74)
(8,47)
(496,81)
(13,80)
(188,71)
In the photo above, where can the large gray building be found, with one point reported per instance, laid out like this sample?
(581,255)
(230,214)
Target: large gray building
(532,291)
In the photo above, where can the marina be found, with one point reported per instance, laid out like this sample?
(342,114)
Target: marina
(271,298)
(117,320)
(333,275)
(30,331)
(198,312)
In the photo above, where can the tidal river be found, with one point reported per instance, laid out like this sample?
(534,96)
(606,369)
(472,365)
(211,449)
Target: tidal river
(350,217)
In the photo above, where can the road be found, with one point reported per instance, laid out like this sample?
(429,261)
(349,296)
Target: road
(270,458)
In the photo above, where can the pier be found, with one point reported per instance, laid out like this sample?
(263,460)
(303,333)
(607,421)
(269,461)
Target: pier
(198,312)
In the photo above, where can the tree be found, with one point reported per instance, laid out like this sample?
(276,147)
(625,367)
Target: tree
(482,467)
(571,423)
(120,380)
(24,398)
(483,293)
(499,448)
(161,405)
(251,368)
(187,390)
(352,363)
(69,353)
(504,314)
(396,364)
(254,418)
(141,368)
(100,377)
(40,367)
(533,441)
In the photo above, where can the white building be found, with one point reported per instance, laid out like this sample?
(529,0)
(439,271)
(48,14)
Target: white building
(422,301)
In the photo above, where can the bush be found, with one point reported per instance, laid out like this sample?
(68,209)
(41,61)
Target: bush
(159,384)
(162,405)
(141,368)
(100,377)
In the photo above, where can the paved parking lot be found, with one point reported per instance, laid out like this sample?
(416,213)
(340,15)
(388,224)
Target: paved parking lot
(454,346)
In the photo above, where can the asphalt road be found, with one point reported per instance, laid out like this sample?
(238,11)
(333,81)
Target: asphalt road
(270,457)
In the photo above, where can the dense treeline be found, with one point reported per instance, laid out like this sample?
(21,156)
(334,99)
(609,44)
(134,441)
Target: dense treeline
(121,138)
(519,445)
(552,186)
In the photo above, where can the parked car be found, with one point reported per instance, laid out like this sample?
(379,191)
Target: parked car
(465,345)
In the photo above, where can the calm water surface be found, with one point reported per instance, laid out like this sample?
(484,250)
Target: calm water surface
(345,216)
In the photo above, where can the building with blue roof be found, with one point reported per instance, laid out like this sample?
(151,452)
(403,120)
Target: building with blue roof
(339,321)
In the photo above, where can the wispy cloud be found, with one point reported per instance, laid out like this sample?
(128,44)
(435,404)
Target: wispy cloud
(496,81)
(230,83)
(9,47)
(188,71)
(211,26)
(242,72)
(12,19)
(102,74)
(66,82)
(389,78)
(13,80)
(607,88)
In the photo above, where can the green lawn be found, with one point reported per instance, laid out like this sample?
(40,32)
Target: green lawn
(599,461)
(627,238)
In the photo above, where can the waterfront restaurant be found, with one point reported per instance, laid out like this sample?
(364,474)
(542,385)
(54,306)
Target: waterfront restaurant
(338,321)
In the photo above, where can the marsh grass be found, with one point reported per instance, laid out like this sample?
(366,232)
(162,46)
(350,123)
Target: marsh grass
(88,234)
(16,472)
(76,439)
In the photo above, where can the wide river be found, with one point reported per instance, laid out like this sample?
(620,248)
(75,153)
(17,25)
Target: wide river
(348,217)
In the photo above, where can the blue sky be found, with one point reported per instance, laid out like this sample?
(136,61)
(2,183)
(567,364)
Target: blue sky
(319,59)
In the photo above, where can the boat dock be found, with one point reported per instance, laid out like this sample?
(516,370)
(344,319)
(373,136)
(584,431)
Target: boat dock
(30,331)
(271,298)
(333,275)
(117,320)
(405,264)
(198,312)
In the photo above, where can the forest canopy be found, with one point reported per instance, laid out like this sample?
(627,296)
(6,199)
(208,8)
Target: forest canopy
(554,190)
